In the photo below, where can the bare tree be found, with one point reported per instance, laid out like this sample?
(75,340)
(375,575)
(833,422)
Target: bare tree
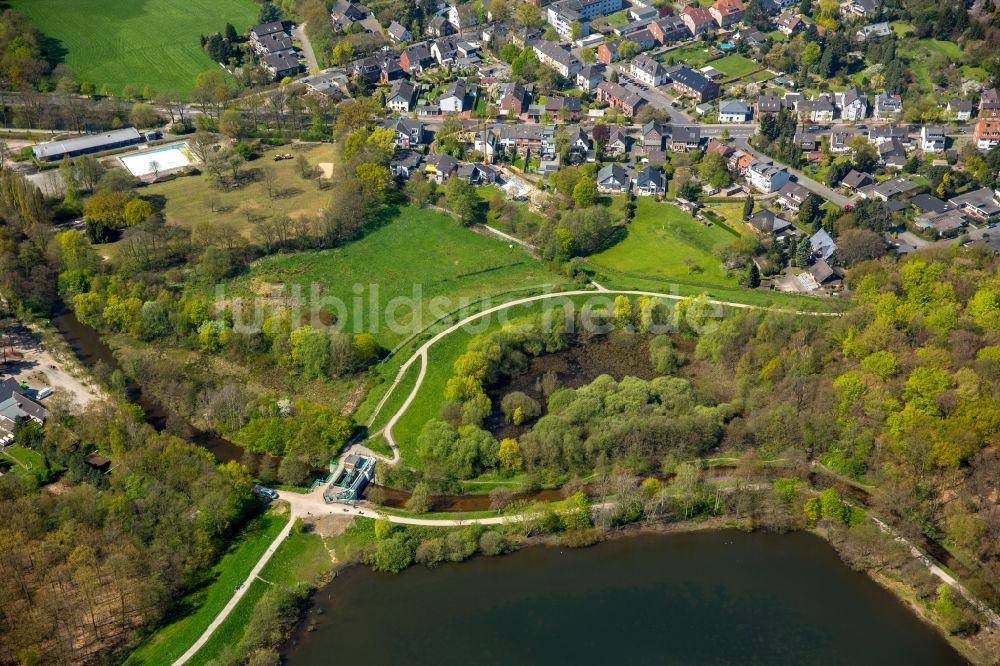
(270,180)
(500,497)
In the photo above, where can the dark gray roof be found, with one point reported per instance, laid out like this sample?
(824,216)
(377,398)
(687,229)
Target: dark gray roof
(88,142)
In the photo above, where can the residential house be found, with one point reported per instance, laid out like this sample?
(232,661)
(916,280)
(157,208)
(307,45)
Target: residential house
(989,104)
(789,23)
(697,19)
(685,137)
(402,96)
(932,139)
(765,176)
(887,106)
(726,12)
(643,38)
(980,204)
(880,29)
(458,97)
(853,104)
(865,8)
(538,139)
(818,110)
(822,244)
(477,174)
(892,189)
(649,182)
(514,100)
(273,42)
(654,135)
(668,29)
(562,15)
(444,50)
(281,65)
(769,102)
(754,38)
(258,32)
(409,133)
(555,56)
(647,70)
(440,168)
(579,140)
(397,33)
(791,195)
(589,76)
(613,179)
(416,58)
(882,133)
(840,139)
(619,142)
(767,222)
(461,15)
(439,26)
(345,14)
(946,219)
(892,153)
(961,109)
(331,84)
(618,97)
(607,52)
(564,108)
(690,83)
(855,180)
(14,408)
(716,146)
(734,111)
(987,133)
(405,163)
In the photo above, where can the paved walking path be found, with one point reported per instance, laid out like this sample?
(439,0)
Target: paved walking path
(238,594)
(421,353)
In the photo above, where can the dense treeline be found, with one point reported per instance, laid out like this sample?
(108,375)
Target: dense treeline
(86,565)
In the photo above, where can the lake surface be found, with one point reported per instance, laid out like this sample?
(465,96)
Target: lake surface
(721,597)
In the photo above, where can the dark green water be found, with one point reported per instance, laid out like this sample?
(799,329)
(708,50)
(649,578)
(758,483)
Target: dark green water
(703,598)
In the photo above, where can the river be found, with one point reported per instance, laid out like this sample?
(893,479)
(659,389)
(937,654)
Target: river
(88,346)
(714,597)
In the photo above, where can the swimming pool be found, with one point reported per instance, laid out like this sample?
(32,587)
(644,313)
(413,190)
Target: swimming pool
(161,159)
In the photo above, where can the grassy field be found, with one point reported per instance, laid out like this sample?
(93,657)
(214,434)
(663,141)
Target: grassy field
(139,42)
(735,66)
(665,241)
(199,608)
(421,256)
(192,200)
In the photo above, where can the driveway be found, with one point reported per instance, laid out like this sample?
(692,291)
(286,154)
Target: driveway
(805,181)
(299,34)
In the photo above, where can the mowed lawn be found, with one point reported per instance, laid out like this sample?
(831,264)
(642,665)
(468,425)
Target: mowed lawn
(422,260)
(665,241)
(735,66)
(137,42)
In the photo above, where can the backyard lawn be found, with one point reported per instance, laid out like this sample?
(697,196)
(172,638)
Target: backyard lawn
(152,42)
(693,55)
(664,241)
(735,66)
(421,258)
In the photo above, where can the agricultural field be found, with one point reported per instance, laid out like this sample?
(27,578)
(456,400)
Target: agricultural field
(421,255)
(664,241)
(735,66)
(153,42)
(193,199)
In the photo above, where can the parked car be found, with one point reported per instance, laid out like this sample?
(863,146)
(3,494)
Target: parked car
(266,493)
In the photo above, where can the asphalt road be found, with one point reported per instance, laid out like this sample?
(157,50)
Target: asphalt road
(805,181)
